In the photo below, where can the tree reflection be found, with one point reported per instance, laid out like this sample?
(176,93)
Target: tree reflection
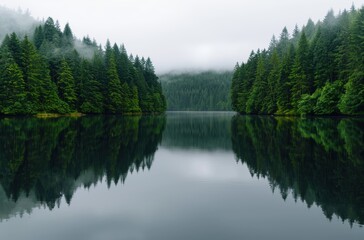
(320,161)
(198,130)
(45,159)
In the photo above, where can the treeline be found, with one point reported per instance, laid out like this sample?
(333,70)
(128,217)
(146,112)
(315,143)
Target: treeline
(52,72)
(319,70)
(206,91)
(317,161)
(49,159)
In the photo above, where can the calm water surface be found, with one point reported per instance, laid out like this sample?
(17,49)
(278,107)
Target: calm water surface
(182,176)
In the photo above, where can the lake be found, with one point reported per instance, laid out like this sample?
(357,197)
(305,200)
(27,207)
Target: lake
(185,175)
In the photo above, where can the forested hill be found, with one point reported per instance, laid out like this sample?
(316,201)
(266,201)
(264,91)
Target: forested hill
(318,70)
(205,91)
(50,71)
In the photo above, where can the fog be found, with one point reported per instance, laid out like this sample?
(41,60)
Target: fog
(15,21)
(184,34)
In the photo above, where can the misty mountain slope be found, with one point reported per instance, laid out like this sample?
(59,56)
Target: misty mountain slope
(45,69)
(318,70)
(205,91)
(15,21)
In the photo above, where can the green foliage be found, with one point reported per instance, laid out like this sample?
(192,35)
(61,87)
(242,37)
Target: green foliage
(205,91)
(352,101)
(12,88)
(317,71)
(328,100)
(114,98)
(66,85)
(49,74)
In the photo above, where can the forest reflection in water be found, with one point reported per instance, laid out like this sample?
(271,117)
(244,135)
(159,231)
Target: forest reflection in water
(317,160)
(43,160)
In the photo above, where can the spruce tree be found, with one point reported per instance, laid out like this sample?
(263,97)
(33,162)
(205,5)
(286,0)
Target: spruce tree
(114,97)
(299,75)
(272,87)
(66,85)
(32,71)
(12,86)
(91,99)
(259,89)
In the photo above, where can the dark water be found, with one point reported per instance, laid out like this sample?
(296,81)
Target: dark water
(182,176)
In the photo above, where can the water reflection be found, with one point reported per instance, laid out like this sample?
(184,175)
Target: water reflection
(43,160)
(319,161)
(198,130)
(196,181)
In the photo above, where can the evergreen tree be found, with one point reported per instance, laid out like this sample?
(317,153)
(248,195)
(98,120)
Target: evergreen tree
(12,86)
(50,75)
(284,95)
(66,85)
(299,73)
(114,98)
(38,37)
(91,99)
(259,89)
(235,88)
(32,72)
(283,44)
(352,101)
(317,71)
(273,81)
(67,36)
(13,45)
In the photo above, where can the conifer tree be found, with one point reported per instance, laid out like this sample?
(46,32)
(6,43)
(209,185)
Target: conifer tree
(91,99)
(284,94)
(259,89)
(12,86)
(114,98)
(32,72)
(66,85)
(299,73)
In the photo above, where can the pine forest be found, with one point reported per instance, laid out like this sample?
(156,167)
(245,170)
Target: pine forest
(203,91)
(53,72)
(319,70)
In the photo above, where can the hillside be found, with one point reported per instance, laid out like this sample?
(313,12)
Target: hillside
(51,71)
(319,70)
(205,91)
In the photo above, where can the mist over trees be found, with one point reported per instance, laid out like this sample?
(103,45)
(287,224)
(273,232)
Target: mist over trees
(18,21)
(205,91)
(50,71)
(319,70)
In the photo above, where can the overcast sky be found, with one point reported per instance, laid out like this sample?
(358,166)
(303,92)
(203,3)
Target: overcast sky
(184,34)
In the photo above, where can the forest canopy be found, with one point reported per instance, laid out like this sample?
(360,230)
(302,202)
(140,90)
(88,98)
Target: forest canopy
(204,91)
(319,70)
(51,71)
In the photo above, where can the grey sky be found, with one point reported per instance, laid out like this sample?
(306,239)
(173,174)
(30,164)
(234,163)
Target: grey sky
(184,34)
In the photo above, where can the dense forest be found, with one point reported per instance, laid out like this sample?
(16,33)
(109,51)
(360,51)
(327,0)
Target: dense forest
(318,161)
(205,91)
(318,70)
(208,131)
(45,160)
(53,72)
